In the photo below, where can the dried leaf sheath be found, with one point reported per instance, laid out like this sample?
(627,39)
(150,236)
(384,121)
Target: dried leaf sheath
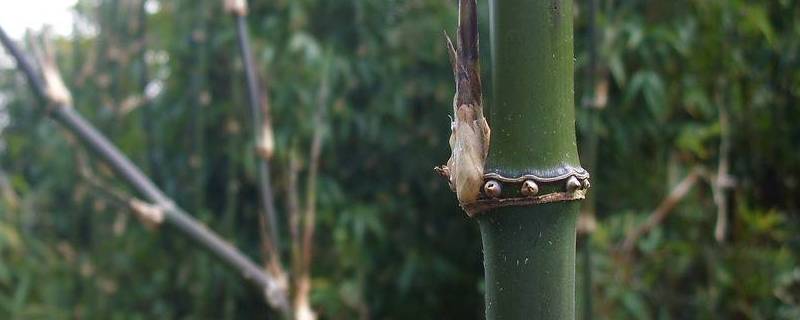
(469,140)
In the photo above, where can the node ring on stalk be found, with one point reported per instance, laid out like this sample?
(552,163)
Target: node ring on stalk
(568,184)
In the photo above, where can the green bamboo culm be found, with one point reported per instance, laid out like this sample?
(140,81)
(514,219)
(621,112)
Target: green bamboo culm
(530,251)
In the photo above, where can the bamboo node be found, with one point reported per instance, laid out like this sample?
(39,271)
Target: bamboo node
(266,142)
(150,215)
(275,292)
(574,180)
(574,184)
(237,7)
(55,91)
(539,176)
(486,204)
(492,188)
(529,188)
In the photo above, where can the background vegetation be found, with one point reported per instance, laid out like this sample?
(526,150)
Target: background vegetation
(167,86)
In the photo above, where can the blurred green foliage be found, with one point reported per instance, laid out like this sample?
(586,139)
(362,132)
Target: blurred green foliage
(168,88)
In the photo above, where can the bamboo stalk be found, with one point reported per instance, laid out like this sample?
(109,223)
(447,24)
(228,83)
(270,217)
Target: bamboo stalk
(530,250)
(124,168)
(531,174)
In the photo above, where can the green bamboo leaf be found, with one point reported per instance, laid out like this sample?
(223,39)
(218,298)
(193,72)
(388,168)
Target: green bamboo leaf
(756,19)
(655,95)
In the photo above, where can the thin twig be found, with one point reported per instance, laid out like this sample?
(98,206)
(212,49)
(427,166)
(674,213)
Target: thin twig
(151,216)
(84,171)
(660,213)
(126,170)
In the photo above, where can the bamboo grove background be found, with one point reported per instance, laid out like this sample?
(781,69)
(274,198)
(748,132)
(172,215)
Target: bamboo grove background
(670,82)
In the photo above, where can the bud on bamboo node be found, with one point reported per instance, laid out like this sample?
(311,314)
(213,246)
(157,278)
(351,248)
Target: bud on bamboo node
(150,215)
(492,189)
(586,184)
(529,188)
(470,140)
(55,90)
(237,7)
(266,142)
(573,184)
(275,292)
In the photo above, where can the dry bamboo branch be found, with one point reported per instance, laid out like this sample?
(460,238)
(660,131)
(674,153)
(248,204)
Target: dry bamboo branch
(660,213)
(272,262)
(293,208)
(262,130)
(302,306)
(55,89)
(722,181)
(7,193)
(126,170)
(151,216)
(118,196)
(236,7)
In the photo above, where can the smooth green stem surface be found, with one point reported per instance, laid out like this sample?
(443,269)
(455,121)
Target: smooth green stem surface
(529,252)
(532,113)
(530,262)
